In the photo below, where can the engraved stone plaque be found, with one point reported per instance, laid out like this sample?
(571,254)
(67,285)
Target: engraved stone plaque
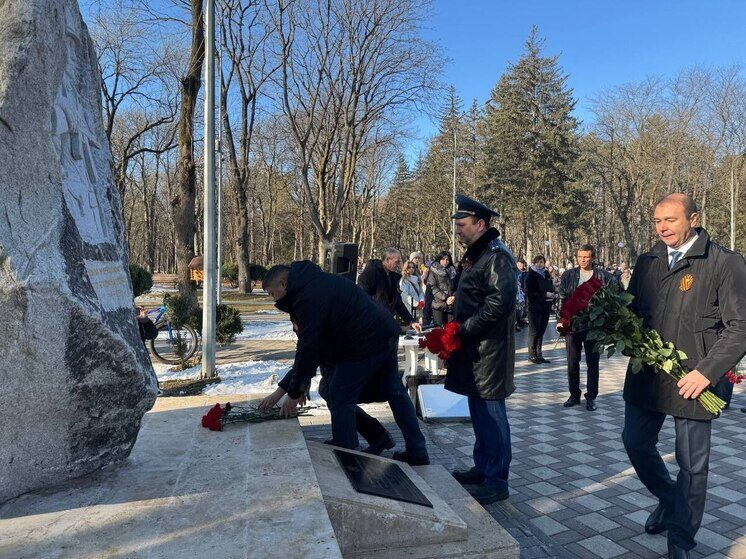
(375,476)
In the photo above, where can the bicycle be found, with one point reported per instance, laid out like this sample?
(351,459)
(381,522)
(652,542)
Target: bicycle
(172,345)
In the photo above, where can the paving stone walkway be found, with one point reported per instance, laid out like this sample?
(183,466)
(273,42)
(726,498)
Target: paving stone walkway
(573,491)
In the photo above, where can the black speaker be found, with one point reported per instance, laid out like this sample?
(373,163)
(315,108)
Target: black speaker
(342,260)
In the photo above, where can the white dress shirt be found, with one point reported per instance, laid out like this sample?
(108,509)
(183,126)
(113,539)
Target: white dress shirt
(683,249)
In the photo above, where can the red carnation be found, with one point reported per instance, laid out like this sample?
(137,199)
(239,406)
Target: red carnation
(443,341)
(212,419)
(734,378)
(421,305)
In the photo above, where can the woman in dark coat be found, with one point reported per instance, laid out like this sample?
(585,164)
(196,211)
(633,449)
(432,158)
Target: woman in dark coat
(440,282)
(540,294)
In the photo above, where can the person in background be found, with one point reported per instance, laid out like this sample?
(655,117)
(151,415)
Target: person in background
(575,342)
(419,261)
(625,276)
(556,278)
(380,279)
(412,292)
(440,283)
(540,294)
(521,306)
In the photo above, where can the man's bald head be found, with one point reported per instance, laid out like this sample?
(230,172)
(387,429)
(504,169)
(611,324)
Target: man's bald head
(688,203)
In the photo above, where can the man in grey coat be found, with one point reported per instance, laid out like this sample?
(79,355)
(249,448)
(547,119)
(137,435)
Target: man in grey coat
(693,292)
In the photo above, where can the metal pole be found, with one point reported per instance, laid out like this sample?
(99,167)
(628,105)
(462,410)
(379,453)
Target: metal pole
(453,208)
(220,168)
(208,285)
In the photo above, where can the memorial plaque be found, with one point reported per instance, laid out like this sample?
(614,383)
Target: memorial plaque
(374,476)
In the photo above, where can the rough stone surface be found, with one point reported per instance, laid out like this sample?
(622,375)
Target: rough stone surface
(371,524)
(75,379)
(248,492)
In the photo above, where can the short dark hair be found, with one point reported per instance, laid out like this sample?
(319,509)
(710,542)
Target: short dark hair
(588,248)
(690,206)
(486,220)
(539,257)
(274,274)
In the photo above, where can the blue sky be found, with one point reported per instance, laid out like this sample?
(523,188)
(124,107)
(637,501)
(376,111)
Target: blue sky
(601,43)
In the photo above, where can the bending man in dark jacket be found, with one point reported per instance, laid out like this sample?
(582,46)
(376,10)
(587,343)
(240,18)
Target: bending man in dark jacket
(340,323)
(380,279)
(693,292)
(482,369)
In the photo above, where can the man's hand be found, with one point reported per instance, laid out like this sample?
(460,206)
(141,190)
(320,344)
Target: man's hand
(289,407)
(692,385)
(416,326)
(271,400)
(303,400)
(450,300)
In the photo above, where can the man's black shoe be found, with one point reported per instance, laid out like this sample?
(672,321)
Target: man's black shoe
(468,477)
(590,405)
(534,360)
(542,360)
(412,460)
(378,446)
(485,495)
(676,552)
(655,522)
(571,401)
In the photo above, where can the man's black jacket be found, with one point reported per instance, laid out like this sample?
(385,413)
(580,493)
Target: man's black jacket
(700,306)
(336,320)
(383,286)
(571,278)
(537,287)
(485,308)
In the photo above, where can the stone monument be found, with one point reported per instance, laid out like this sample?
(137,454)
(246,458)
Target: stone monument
(75,379)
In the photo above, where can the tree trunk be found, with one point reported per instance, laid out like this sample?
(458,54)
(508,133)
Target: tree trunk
(183,202)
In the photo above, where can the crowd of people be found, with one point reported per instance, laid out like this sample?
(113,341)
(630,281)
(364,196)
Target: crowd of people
(687,287)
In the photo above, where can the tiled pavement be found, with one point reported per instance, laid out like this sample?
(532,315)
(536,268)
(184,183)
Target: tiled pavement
(573,491)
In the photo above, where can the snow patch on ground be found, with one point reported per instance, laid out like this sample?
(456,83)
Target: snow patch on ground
(268,330)
(269,311)
(244,377)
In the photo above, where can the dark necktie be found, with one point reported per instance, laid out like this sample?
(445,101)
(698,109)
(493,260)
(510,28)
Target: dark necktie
(675,257)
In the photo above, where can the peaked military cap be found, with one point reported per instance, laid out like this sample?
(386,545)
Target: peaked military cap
(466,207)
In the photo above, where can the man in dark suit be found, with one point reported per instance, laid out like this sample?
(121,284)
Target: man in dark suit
(693,292)
(381,278)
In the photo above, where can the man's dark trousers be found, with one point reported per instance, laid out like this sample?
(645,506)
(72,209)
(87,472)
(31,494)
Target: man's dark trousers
(537,325)
(492,453)
(575,343)
(683,499)
(347,383)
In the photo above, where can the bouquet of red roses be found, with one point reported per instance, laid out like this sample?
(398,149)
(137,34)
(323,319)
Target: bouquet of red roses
(442,341)
(218,417)
(577,303)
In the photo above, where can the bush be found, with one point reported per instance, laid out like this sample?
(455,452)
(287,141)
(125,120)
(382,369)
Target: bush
(227,323)
(142,280)
(182,311)
(229,271)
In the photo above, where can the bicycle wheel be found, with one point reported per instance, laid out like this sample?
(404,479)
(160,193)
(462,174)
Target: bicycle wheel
(173,345)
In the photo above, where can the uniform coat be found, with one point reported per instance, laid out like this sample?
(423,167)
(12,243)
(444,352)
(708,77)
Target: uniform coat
(485,309)
(700,306)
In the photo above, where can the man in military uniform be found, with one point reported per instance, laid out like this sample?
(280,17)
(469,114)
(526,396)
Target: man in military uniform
(482,369)
(693,292)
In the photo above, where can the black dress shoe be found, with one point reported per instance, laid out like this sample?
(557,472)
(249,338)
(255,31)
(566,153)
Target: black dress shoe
(676,552)
(534,360)
(571,401)
(378,446)
(485,495)
(412,460)
(655,522)
(468,477)
(590,405)
(541,359)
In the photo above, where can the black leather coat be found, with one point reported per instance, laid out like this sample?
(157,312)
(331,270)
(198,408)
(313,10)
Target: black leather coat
(486,288)
(700,306)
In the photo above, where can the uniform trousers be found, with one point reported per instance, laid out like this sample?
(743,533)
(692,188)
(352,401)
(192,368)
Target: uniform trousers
(492,452)
(683,499)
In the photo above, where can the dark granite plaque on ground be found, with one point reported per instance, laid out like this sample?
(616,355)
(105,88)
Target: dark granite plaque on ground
(374,476)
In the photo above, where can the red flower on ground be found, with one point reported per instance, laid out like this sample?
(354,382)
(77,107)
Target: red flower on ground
(212,419)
